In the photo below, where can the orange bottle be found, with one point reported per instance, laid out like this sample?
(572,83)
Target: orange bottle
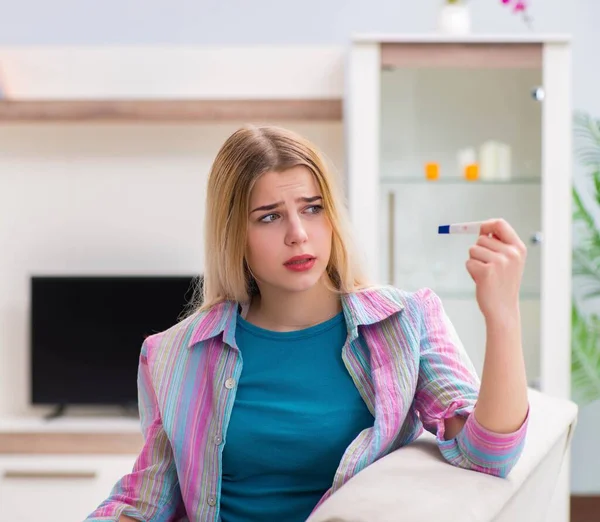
(472,172)
(432,171)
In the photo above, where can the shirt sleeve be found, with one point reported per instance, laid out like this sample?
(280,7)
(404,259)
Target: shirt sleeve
(151,491)
(447,386)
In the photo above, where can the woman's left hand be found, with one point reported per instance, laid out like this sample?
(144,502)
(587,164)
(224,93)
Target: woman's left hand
(496,264)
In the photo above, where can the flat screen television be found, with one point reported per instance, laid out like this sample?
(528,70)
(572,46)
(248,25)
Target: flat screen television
(86,334)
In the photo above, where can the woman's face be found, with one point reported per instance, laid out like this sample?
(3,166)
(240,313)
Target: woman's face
(287,220)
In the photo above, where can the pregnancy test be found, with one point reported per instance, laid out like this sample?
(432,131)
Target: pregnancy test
(473,227)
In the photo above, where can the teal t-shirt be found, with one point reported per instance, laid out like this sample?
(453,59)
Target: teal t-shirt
(296,411)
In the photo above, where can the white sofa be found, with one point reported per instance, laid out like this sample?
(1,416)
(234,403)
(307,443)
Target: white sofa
(416,484)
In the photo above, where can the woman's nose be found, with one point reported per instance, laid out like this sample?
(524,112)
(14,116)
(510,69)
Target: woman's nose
(296,232)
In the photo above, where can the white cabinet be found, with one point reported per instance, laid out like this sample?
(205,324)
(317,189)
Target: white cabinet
(424,118)
(57,488)
(60,470)
(413,106)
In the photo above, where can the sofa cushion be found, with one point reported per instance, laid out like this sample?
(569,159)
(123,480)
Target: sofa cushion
(415,483)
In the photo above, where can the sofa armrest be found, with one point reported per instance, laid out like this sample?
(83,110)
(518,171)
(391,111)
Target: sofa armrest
(415,483)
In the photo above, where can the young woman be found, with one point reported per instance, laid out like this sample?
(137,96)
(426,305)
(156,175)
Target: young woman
(295,373)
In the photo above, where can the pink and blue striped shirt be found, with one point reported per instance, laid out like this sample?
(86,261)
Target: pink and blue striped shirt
(401,351)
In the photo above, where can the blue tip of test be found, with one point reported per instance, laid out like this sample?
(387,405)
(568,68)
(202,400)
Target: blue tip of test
(444,229)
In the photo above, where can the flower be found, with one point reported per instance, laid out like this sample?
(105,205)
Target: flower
(519,7)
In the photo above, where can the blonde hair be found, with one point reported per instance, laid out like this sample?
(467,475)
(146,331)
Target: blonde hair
(247,154)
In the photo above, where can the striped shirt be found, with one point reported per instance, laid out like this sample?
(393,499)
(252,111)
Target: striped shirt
(401,351)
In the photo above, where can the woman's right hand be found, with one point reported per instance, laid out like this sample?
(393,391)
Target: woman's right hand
(125,518)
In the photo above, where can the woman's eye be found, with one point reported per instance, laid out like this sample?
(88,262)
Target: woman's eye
(269,218)
(314,209)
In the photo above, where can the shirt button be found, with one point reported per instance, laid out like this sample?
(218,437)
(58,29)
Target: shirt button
(217,440)
(211,501)
(230,383)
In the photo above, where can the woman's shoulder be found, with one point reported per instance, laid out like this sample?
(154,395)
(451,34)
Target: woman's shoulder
(410,300)
(196,326)
(377,303)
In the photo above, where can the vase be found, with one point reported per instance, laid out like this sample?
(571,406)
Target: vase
(454,19)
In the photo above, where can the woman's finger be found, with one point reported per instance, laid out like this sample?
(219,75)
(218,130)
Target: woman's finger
(481,253)
(493,244)
(475,268)
(500,229)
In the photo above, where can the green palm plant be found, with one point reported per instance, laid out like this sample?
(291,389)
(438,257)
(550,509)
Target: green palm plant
(585,366)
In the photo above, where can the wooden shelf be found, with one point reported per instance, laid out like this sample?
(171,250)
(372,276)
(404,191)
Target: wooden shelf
(40,111)
(70,435)
(26,443)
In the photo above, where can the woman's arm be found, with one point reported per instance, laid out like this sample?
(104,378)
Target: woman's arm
(448,389)
(502,405)
(496,265)
(447,393)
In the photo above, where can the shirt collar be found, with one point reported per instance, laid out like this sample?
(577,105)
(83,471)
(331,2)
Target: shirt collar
(370,306)
(360,308)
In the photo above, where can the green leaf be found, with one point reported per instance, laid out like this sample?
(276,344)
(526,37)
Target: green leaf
(587,139)
(587,272)
(585,361)
(579,211)
(585,345)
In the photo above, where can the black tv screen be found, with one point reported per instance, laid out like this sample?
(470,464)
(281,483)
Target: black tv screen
(87,332)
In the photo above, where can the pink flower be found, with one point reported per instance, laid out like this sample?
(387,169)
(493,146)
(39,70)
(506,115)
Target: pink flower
(520,6)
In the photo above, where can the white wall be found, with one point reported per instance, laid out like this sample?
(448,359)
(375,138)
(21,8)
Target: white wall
(103,199)
(231,22)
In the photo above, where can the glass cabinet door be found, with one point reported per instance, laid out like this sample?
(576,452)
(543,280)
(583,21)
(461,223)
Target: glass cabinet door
(460,145)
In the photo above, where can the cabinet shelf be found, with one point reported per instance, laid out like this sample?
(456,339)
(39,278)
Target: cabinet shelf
(472,55)
(465,295)
(413,180)
(168,110)
(70,443)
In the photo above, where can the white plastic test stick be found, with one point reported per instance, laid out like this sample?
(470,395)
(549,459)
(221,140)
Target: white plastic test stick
(474,227)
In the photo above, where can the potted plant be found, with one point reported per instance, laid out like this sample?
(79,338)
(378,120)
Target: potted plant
(585,344)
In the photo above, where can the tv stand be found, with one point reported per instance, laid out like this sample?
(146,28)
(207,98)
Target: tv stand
(85,454)
(59,411)
(130,409)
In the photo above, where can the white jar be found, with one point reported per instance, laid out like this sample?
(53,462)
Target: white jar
(454,19)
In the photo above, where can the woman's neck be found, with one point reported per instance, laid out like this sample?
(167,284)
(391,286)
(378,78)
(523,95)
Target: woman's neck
(289,311)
